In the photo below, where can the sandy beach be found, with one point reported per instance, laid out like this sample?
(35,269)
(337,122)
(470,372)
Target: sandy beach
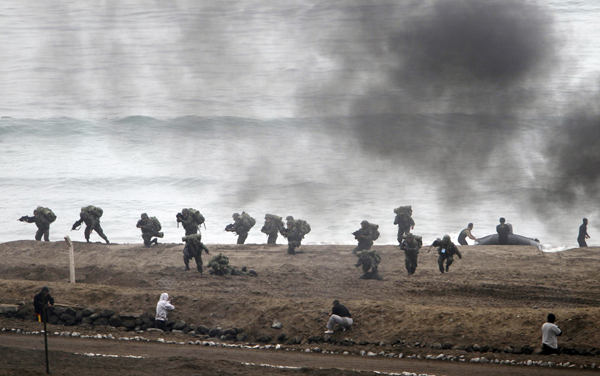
(495,297)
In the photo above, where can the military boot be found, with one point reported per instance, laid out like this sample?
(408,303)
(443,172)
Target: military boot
(187,267)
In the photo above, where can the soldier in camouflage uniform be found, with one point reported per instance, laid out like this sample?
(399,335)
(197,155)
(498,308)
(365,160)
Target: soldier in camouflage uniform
(193,248)
(369,260)
(364,237)
(150,229)
(293,235)
(41,221)
(92,223)
(446,251)
(271,228)
(240,226)
(404,221)
(410,246)
(188,221)
(219,265)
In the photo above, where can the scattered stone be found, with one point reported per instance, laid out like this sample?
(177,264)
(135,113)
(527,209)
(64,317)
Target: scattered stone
(277,325)
(263,338)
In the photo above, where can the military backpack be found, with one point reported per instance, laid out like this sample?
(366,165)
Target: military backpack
(302,226)
(196,216)
(374,231)
(156,223)
(277,220)
(248,220)
(47,213)
(93,210)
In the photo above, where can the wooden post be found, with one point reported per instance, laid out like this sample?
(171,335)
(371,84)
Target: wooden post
(71,259)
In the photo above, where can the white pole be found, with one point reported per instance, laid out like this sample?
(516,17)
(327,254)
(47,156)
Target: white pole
(71,259)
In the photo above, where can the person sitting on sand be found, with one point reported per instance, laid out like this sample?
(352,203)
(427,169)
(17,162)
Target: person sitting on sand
(550,332)
(41,302)
(164,305)
(339,315)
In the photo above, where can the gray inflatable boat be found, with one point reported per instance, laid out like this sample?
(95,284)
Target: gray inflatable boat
(513,239)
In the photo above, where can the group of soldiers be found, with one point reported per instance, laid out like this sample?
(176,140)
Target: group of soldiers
(294,230)
(409,243)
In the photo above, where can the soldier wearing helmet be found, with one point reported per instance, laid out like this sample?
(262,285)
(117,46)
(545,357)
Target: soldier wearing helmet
(364,237)
(446,251)
(410,245)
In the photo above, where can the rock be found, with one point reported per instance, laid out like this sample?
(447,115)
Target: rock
(87,312)
(528,350)
(129,324)
(102,321)
(437,346)
(474,360)
(213,332)
(228,337)
(230,331)
(370,353)
(70,311)
(277,325)
(315,339)
(179,325)
(201,329)
(282,337)
(347,342)
(476,347)
(294,341)
(115,320)
(154,330)
(447,346)
(8,308)
(508,350)
(175,331)
(241,337)
(95,316)
(363,342)
(327,338)
(107,312)
(66,317)
(87,320)
(263,338)
(485,348)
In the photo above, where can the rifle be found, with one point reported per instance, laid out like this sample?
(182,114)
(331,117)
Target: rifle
(229,228)
(76,225)
(23,218)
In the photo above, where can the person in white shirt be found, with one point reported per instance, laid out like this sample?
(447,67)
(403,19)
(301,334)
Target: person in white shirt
(164,305)
(550,332)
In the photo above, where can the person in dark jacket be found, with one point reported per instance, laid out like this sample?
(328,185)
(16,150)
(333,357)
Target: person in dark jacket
(446,251)
(503,230)
(339,315)
(90,215)
(41,302)
(583,235)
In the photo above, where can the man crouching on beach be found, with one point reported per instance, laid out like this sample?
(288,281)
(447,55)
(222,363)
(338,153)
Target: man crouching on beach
(339,315)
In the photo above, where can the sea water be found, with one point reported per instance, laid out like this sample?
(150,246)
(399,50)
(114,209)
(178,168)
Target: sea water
(138,108)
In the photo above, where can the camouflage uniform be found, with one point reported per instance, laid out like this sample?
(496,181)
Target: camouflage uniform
(293,235)
(369,260)
(42,224)
(410,246)
(364,237)
(404,221)
(272,229)
(149,230)
(241,227)
(189,223)
(193,248)
(219,265)
(446,251)
(92,223)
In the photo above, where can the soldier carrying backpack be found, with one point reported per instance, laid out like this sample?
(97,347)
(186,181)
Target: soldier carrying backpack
(191,219)
(150,227)
(241,226)
(90,215)
(365,236)
(404,221)
(295,232)
(273,224)
(42,217)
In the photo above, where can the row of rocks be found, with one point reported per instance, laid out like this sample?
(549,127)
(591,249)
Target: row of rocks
(129,321)
(440,357)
